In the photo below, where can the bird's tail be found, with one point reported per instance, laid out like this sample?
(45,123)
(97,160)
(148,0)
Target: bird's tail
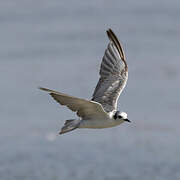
(69,125)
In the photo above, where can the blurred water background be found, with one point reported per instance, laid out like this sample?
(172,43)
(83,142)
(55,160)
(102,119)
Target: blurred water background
(59,45)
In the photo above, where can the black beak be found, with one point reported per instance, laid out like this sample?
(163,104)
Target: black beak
(127,120)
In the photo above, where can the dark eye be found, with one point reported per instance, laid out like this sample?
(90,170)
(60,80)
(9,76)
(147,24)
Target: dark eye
(120,117)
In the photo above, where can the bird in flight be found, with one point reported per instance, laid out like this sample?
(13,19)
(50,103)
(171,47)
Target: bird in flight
(101,111)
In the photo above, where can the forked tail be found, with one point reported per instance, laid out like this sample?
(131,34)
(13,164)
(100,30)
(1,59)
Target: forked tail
(69,125)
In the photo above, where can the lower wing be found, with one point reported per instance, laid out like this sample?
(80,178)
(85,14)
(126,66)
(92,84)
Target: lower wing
(84,108)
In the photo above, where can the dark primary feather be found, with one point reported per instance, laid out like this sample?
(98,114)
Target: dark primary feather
(114,39)
(113,75)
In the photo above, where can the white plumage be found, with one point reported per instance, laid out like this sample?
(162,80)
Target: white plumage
(101,111)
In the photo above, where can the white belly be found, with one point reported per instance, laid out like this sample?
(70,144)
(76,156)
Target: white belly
(99,123)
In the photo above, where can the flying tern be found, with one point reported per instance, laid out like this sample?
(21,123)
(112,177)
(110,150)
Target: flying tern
(101,111)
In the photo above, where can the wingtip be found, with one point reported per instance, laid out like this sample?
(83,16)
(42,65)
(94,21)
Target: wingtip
(110,33)
(45,89)
(109,30)
(113,38)
(41,88)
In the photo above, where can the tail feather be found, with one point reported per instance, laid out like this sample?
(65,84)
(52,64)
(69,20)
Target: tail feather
(68,121)
(69,125)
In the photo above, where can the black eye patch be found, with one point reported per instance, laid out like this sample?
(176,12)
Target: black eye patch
(116,115)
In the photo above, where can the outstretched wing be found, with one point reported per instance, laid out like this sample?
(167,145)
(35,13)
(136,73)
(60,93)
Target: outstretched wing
(84,108)
(113,75)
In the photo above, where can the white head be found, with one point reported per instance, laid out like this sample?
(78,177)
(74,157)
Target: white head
(121,116)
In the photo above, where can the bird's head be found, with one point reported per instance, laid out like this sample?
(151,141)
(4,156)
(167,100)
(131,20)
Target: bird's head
(121,116)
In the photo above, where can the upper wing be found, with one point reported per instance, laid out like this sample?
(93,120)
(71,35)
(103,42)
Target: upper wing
(113,75)
(84,108)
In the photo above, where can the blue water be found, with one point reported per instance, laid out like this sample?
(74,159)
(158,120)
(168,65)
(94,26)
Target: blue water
(59,45)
